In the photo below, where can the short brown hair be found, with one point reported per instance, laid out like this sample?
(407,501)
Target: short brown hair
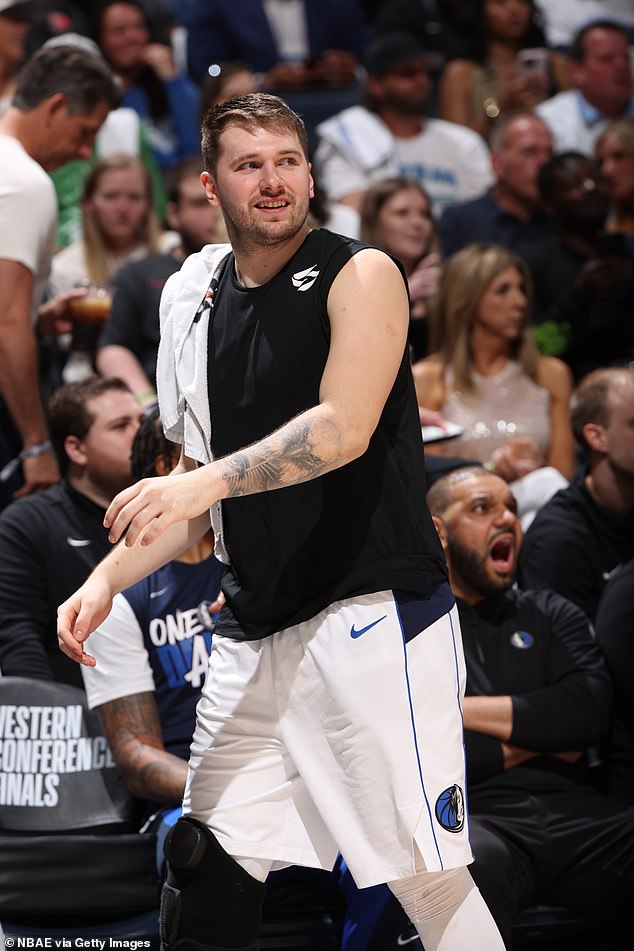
(255,111)
(589,402)
(69,413)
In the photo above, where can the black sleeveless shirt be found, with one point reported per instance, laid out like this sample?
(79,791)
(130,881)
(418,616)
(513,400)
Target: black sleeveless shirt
(361,528)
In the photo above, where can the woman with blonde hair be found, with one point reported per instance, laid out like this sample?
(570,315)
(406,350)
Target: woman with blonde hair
(118,225)
(614,151)
(396,217)
(486,375)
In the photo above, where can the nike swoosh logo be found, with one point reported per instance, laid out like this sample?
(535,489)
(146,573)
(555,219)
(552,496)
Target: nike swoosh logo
(78,542)
(355,633)
(401,941)
(157,594)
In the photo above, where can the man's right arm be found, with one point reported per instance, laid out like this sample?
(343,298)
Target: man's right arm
(19,377)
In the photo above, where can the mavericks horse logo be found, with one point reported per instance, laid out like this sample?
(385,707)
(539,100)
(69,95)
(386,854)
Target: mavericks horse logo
(450,809)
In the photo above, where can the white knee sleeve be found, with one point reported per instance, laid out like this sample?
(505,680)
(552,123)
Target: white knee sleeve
(448,911)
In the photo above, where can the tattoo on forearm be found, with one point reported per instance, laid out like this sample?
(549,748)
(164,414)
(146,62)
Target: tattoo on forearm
(303,450)
(133,731)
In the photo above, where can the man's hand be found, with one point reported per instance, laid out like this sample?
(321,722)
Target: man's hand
(38,472)
(159,58)
(423,282)
(287,76)
(336,68)
(55,316)
(516,459)
(514,755)
(78,617)
(147,508)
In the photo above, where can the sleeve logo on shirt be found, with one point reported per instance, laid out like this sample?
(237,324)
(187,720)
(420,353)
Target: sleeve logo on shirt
(522,640)
(450,809)
(304,280)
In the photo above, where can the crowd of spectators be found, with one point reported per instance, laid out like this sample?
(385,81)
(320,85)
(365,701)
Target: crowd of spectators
(489,147)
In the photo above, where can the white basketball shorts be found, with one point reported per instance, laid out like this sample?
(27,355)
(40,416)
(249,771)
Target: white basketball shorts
(340,733)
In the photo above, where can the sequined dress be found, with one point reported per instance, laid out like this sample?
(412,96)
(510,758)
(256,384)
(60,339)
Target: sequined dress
(504,406)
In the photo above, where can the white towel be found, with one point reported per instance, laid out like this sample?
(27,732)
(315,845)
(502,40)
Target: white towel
(361,136)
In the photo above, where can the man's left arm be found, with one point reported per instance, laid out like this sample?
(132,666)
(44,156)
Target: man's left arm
(560,718)
(369,313)
(571,711)
(132,727)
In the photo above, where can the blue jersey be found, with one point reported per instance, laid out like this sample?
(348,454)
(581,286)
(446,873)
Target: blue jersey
(167,607)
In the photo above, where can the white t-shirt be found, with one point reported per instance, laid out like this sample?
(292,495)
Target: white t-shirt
(451,162)
(28,214)
(563,116)
(123,667)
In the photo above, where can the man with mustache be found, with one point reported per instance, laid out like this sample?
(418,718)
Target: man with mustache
(538,695)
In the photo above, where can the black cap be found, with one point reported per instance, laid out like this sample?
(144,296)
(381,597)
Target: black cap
(389,51)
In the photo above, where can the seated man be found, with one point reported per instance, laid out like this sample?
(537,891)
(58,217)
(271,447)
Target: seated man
(586,532)
(538,695)
(511,213)
(601,86)
(50,541)
(391,134)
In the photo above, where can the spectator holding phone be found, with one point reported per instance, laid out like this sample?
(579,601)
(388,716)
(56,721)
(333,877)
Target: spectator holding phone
(509,67)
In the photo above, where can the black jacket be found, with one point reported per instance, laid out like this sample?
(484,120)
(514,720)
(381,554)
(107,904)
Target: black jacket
(49,544)
(574,546)
(538,648)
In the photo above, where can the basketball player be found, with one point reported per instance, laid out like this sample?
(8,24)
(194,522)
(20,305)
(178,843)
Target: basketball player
(331,712)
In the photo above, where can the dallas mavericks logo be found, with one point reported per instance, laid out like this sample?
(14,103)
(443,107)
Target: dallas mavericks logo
(304,280)
(450,809)
(522,640)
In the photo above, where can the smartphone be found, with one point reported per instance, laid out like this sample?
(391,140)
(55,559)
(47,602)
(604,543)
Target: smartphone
(612,244)
(533,62)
